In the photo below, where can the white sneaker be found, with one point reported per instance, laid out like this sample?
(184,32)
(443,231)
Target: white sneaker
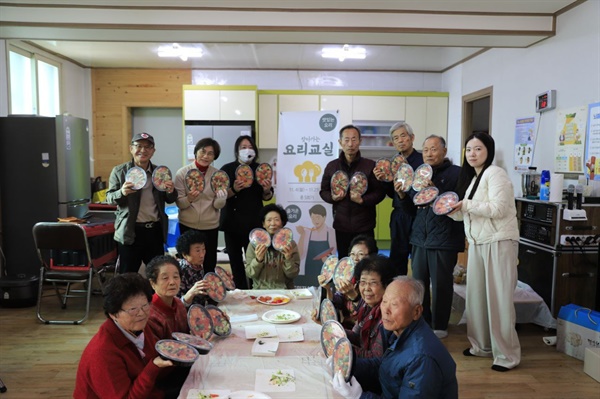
(441,334)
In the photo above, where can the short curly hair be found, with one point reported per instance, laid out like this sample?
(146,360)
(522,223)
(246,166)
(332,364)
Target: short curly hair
(122,287)
(187,239)
(273,208)
(376,264)
(153,267)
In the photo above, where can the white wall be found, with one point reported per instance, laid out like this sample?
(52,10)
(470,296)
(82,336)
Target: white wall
(568,62)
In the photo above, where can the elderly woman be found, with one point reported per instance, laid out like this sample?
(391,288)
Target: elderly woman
(168,314)
(267,267)
(201,209)
(120,360)
(191,248)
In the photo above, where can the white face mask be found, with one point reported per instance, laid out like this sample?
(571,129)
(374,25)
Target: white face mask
(246,155)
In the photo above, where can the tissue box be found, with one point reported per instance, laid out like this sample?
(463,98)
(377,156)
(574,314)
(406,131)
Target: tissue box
(577,329)
(591,363)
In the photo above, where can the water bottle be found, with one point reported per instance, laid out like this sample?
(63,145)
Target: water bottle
(545,185)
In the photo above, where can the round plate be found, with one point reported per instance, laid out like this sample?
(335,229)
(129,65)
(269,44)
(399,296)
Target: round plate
(327,311)
(339,183)
(421,176)
(405,175)
(358,183)
(217,291)
(226,277)
(282,238)
(274,300)
(137,176)
(264,172)
(331,332)
(385,166)
(343,358)
(219,181)
(343,271)
(194,180)
(248,395)
(443,204)
(160,176)
(201,345)
(178,352)
(245,175)
(281,316)
(200,322)
(221,324)
(425,196)
(260,236)
(329,267)
(397,161)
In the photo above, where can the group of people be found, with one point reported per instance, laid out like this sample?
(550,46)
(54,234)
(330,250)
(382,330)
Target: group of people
(390,318)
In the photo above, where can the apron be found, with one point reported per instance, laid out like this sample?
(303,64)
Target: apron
(312,268)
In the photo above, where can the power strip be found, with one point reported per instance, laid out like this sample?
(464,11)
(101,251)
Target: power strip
(583,240)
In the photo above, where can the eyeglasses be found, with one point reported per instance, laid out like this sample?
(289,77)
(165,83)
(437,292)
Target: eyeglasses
(357,254)
(203,153)
(371,284)
(143,147)
(136,311)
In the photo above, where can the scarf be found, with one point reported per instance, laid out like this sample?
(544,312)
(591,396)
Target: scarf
(369,321)
(201,168)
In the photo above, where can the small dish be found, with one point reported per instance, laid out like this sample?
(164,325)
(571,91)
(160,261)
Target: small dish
(290,334)
(358,183)
(331,332)
(217,291)
(208,394)
(180,353)
(343,271)
(200,322)
(137,176)
(405,175)
(339,183)
(281,316)
(426,196)
(220,321)
(282,238)
(397,161)
(384,165)
(329,267)
(259,236)
(160,176)
(327,311)
(443,203)
(260,331)
(226,277)
(219,181)
(264,172)
(248,395)
(201,345)
(302,293)
(274,300)
(343,358)
(194,180)
(245,175)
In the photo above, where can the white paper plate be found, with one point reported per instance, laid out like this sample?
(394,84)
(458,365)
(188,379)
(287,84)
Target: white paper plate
(290,334)
(273,299)
(195,393)
(248,395)
(303,293)
(266,383)
(265,330)
(281,316)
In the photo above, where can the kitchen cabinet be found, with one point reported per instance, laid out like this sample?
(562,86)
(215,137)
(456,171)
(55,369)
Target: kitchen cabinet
(416,117)
(298,102)
(378,108)
(437,116)
(343,104)
(268,120)
(237,105)
(205,104)
(201,105)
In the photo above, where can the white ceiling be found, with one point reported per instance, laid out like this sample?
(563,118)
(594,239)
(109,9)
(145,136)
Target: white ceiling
(418,35)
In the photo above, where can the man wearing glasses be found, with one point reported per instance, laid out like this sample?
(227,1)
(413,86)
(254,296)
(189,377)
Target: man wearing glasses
(353,213)
(141,223)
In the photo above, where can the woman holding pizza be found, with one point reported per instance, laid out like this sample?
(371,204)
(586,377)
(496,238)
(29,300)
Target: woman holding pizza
(267,267)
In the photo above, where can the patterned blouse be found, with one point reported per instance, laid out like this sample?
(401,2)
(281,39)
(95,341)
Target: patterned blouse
(366,334)
(189,277)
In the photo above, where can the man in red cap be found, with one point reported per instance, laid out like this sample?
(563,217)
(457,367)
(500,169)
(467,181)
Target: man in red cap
(141,223)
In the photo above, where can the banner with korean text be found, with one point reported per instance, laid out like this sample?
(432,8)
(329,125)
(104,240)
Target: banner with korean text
(308,141)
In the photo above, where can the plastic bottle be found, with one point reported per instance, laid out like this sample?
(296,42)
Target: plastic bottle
(545,185)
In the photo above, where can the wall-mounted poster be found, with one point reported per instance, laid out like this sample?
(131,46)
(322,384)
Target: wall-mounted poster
(592,147)
(570,140)
(524,143)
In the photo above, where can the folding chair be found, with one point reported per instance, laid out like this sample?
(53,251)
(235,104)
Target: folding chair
(65,258)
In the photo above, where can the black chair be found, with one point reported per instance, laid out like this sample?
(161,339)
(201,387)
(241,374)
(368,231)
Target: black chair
(65,258)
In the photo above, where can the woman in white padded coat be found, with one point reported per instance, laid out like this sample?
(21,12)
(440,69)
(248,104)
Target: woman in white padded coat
(490,218)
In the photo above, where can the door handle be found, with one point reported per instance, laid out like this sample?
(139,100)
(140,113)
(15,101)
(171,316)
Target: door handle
(576,275)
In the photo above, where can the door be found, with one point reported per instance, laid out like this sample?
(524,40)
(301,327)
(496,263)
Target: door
(477,113)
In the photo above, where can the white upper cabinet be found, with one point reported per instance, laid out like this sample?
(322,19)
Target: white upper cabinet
(437,116)
(199,105)
(268,121)
(219,105)
(343,104)
(378,108)
(238,105)
(416,117)
(296,102)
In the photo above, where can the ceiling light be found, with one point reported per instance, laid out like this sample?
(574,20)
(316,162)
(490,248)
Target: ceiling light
(175,50)
(345,52)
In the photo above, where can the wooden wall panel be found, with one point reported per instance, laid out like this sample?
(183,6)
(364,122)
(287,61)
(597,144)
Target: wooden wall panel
(115,92)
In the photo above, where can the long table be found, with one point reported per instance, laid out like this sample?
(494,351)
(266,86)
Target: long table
(231,366)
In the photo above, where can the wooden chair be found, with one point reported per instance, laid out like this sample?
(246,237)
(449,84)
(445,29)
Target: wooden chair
(64,253)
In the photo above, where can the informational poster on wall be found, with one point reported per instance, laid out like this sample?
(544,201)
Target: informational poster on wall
(524,143)
(307,142)
(570,140)
(592,146)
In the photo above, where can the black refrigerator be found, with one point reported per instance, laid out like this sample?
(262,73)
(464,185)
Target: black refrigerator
(44,175)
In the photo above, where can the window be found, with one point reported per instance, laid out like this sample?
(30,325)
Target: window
(34,83)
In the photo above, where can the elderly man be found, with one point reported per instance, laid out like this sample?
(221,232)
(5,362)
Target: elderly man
(415,364)
(436,241)
(353,214)
(141,223)
(403,215)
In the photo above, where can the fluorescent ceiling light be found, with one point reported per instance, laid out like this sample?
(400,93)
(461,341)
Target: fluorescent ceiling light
(344,52)
(175,50)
